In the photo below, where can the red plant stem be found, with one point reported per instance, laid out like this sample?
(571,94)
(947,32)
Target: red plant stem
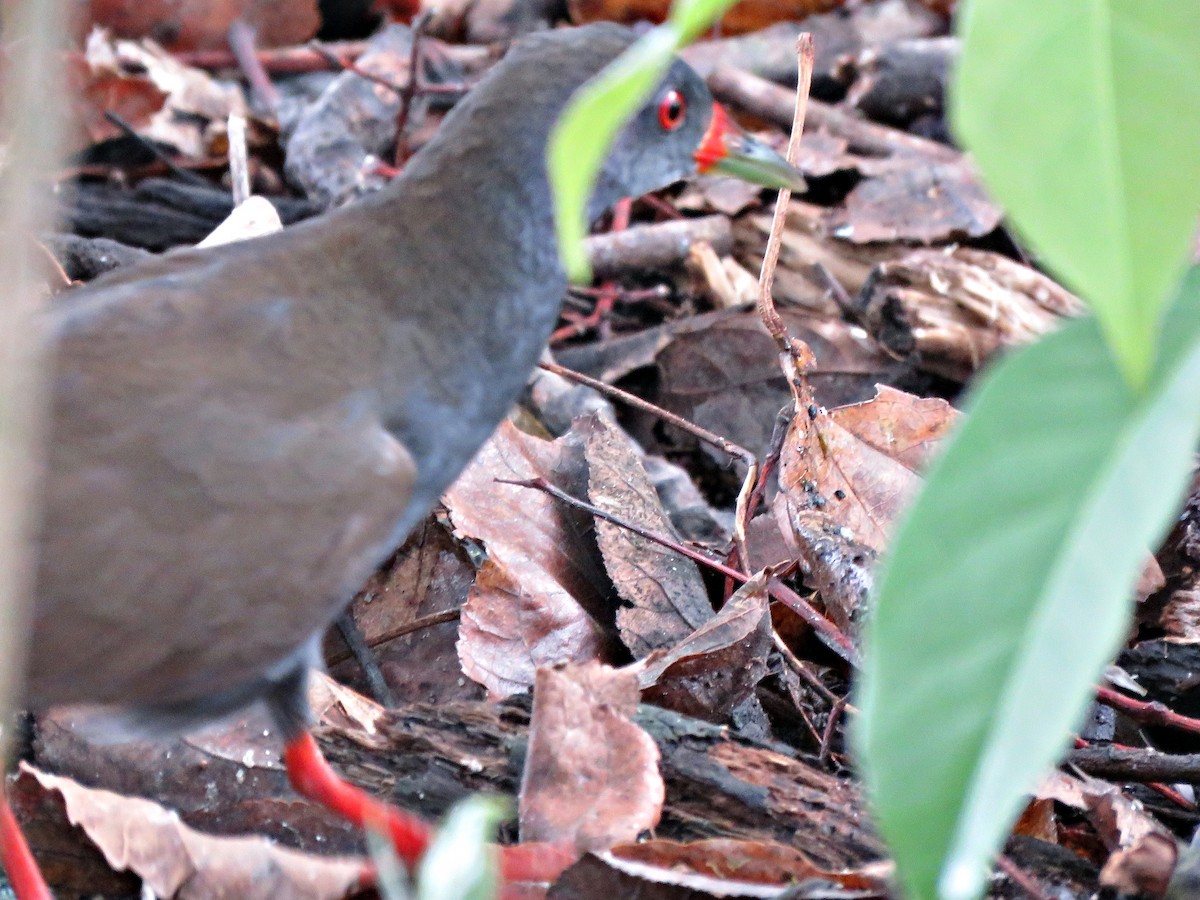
(1147,713)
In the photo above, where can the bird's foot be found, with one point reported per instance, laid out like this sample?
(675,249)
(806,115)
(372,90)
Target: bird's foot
(313,777)
(22,869)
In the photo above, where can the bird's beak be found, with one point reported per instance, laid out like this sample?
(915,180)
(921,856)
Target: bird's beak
(727,150)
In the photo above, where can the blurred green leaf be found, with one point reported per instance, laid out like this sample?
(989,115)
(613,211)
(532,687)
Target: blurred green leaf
(583,136)
(1083,117)
(1008,588)
(461,863)
(585,133)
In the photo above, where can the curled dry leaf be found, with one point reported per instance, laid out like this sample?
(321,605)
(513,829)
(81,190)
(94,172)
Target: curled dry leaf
(529,604)
(717,666)
(665,870)
(1119,820)
(666,596)
(127,78)
(591,775)
(176,861)
(94,90)
(837,566)
(1142,869)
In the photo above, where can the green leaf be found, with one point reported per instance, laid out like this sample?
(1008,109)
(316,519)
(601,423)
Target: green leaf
(585,133)
(1008,588)
(461,863)
(1083,116)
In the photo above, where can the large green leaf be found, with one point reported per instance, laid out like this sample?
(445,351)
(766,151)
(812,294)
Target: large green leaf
(1083,116)
(1008,588)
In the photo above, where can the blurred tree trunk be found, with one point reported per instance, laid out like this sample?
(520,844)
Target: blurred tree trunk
(33,107)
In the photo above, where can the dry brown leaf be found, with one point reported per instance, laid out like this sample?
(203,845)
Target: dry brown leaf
(1119,820)
(516,621)
(917,199)
(177,861)
(745,16)
(131,75)
(1038,821)
(204,24)
(845,475)
(716,667)
(530,602)
(94,91)
(838,567)
(591,775)
(666,596)
(1144,868)
(858,464)
(721,371)
(430,575)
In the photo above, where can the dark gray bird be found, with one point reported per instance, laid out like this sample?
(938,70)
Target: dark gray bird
(240,435)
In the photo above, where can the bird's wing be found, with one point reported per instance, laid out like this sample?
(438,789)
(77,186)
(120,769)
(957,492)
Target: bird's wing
(218,482)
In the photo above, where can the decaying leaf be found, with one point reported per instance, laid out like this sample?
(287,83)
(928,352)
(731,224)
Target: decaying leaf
(666,596)
(715,668)
(174,860)
(665,870)
(591,775)
(532,601)
(846,474)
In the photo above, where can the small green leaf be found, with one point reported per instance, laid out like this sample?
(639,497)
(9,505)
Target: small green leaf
(461,863)
(1083,116)
(585,133)
(1008,588)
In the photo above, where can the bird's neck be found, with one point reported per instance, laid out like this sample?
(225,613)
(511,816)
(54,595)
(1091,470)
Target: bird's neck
(472,226)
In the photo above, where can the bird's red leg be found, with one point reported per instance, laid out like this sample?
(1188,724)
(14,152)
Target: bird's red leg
(313,777)
(23,872)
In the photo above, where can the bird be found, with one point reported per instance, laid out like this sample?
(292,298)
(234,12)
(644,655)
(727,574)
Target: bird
(238,436)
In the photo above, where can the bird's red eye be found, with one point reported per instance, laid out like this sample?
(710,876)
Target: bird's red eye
(671,110)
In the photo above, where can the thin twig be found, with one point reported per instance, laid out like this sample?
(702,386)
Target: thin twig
(242,38)
(766,304)
(835,716)
(416,32)
(825,630)
(450,615)
(155,150)
(1147,713)
(743,507)
(239,159)
(1021,878)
